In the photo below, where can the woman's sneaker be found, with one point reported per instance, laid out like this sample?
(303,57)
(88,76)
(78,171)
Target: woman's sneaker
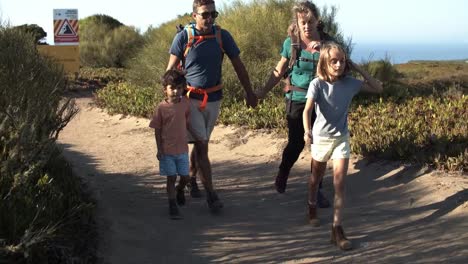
(214,203)
(194,190)
(281,181)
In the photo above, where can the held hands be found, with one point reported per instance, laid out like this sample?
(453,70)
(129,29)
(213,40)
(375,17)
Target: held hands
(251,100)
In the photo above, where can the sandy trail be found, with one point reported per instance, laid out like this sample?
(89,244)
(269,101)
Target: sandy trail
(394,213)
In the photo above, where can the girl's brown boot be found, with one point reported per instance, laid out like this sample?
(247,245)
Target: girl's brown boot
(313,220)
(338,238)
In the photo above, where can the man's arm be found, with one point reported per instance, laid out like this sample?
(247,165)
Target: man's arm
(173,62)
(244,79)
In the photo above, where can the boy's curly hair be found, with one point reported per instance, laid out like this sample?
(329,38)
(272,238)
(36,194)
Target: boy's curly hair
(173,78)
(198,3)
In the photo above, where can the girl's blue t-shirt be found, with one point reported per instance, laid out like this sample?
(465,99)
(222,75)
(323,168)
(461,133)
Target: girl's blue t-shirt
(332,101)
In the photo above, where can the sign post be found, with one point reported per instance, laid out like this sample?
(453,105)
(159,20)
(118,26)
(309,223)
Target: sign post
(66,38)
(66,27)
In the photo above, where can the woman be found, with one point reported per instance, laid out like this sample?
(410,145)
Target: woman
(298,63)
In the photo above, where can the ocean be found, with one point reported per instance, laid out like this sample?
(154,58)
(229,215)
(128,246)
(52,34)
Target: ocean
(403,53)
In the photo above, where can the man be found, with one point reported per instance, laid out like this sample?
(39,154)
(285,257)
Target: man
(202,61)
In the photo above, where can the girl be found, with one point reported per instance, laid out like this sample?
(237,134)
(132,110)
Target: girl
(331,94)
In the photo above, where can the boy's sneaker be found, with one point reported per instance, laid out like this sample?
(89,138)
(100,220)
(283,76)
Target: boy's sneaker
(174,213)
(194,190)
(322,201)
(214,203)
(180,196)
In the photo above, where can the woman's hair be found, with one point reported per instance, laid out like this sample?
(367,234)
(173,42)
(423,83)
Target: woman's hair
(173,78)
(198,3)
(308,9)
(324,60)
(305,7)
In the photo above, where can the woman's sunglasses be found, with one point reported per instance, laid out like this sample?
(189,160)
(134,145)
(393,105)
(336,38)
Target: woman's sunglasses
(205,15)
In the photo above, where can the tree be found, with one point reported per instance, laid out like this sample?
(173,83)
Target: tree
(38,32)
(106,42)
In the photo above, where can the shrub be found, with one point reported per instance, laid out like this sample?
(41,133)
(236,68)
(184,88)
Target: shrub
(39,197)
(423,129)
(128,99)
(105,42)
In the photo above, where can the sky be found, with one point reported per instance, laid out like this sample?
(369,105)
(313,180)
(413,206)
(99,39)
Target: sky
(366,21)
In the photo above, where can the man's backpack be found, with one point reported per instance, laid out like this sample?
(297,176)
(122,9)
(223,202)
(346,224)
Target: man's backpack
(194,39)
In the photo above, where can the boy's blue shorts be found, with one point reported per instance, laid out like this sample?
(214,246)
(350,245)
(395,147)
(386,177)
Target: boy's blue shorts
(173,165)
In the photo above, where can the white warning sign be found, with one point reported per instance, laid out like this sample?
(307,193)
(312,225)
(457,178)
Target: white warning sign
(66,27)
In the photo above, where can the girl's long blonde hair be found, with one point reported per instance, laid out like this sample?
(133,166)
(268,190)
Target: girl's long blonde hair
(324,61)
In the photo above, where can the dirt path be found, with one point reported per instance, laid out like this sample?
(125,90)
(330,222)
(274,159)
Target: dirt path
(394,213)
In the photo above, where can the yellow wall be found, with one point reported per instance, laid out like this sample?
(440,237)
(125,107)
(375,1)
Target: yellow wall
(68,56)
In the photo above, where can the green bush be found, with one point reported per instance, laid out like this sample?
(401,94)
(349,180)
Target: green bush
(40,199)
(101,76)
(105,42)
(423,129)
(128,99)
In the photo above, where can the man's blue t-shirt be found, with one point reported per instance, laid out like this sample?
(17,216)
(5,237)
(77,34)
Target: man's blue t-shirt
(203,64)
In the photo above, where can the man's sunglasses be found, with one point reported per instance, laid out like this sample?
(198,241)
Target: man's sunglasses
(205,15)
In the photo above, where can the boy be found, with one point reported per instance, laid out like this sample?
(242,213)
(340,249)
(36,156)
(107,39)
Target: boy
(170,121)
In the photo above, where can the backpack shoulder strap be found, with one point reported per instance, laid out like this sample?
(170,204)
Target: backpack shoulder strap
(190,29)
(193,39)
(295,45)
(217,33)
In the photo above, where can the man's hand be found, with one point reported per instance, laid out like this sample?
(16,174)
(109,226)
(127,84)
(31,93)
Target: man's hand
(251,100)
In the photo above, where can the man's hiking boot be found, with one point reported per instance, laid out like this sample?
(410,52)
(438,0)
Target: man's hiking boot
(281,181)
(194,190)
(313,220)
(339,239)
(174,210)
(213,202)
(322,201)
(180,196)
